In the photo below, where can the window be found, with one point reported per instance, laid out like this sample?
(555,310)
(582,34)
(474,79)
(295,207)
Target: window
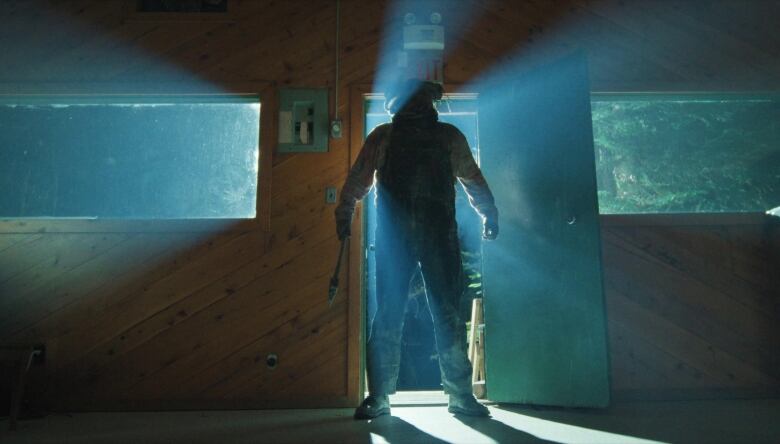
(144,157)
(685,154)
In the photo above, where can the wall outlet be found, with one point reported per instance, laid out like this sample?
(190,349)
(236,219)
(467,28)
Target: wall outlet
(330,195)
(39,355)
(335,129)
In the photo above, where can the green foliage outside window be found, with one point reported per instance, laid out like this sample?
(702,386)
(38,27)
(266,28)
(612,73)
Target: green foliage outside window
(673,155)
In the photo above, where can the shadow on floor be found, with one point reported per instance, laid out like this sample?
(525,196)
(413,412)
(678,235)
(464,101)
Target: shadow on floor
(395,430)
(498,431)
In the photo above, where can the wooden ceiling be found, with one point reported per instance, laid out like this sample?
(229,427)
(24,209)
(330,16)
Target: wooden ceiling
(632,45)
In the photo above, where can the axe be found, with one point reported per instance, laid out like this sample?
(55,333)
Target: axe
(334,280)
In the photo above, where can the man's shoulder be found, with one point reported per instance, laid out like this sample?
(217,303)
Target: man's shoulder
(449,129)
(380,130)
(450,133)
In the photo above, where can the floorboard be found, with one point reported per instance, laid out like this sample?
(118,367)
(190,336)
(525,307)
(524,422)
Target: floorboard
(733,421)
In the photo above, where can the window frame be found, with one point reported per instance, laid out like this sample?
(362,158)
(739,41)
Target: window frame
(262,220)
(133,15)
(686,218)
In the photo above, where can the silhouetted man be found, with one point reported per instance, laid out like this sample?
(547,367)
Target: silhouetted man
(416,160)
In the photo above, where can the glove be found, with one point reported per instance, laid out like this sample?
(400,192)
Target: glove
(490,228)
(343,227)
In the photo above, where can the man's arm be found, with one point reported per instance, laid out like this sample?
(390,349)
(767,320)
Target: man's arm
(474,183)
(359,180)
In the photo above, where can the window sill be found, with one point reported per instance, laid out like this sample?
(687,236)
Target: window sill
(687,219)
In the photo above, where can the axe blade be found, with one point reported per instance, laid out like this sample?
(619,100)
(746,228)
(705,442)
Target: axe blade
(334,281)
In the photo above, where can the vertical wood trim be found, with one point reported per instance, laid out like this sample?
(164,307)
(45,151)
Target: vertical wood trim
(355,323)
(269,106)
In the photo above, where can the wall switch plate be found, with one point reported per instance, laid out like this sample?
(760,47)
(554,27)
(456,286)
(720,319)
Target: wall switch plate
(330,195)
(335,129)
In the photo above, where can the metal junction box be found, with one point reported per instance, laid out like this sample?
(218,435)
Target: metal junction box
(303,120)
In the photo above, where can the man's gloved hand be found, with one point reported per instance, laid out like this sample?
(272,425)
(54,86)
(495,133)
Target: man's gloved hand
(490,228)
(343,227)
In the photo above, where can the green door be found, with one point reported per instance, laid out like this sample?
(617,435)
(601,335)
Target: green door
(545,333)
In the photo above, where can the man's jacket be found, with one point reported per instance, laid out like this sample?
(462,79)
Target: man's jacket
(372,157)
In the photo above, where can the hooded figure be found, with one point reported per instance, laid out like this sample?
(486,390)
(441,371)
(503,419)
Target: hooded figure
(415,161)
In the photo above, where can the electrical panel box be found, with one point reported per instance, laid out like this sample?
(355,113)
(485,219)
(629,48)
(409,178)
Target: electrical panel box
(303,120)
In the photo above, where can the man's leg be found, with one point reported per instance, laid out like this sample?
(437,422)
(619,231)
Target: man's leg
(443,273)
(442,270)
(394,267)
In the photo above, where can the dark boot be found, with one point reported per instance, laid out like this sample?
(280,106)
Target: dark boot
(373,406)
(466,405)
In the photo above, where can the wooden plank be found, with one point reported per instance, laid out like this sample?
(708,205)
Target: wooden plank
(734,18)
(232,375)
(356,310)
(706,254)
(247,280)
(283,29)
(710,365)
(172,354)
(651,367)
(15,255)
(302,361)
(287,196)
(39,43)
(62,226)
(235,279)
(690,18)
(688,219)
(169,39)
(20,257)
(9,240)
(713,314)
(704,291)
(253,402)
(317,376)
(285,313)
(663,44)
(27,291)
(754,258)
(155,296)
(145,260)
(88,46)
(295,351)
(62,254)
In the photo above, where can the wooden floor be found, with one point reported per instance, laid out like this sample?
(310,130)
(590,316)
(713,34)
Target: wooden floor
(734,421)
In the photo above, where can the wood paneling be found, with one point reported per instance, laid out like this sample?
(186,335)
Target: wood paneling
(693,304)
(177,314)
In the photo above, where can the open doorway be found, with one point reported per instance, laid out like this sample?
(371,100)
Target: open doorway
(419,369)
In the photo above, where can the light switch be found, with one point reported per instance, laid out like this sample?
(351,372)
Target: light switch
(330,195)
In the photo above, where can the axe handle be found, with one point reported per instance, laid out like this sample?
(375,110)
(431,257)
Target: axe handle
(334,281)
(338,262)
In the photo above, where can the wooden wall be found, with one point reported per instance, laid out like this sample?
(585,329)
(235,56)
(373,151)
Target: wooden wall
(181,314)
(693,305)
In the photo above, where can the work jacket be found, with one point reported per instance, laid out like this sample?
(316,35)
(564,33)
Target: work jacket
(372,158)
